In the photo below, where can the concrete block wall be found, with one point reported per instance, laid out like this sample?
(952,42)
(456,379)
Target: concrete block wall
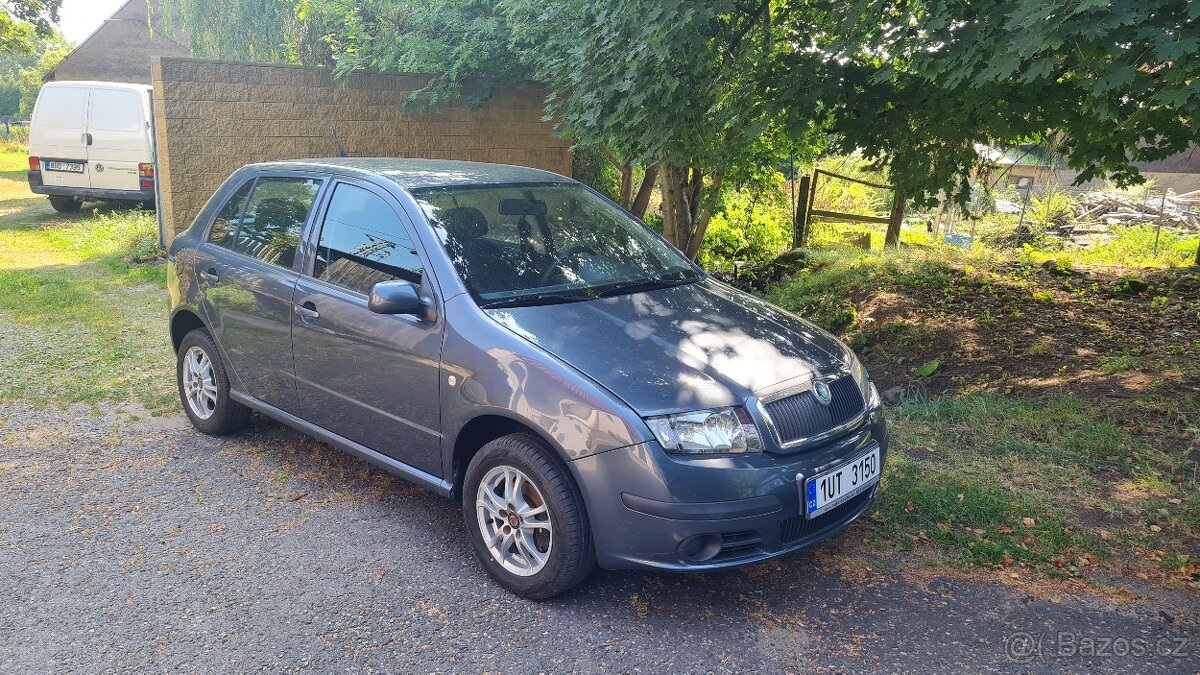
(215,116)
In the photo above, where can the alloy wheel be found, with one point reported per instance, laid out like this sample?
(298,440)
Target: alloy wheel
(199,383)
(514,520)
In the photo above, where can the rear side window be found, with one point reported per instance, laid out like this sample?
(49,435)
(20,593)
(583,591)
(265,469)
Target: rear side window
(114,110)
(274,219)
(363,242)
(61,108)
(224,227)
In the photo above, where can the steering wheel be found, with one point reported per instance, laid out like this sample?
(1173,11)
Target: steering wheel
(560,259)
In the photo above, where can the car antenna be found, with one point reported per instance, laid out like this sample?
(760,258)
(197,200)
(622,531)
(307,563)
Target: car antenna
(341,150)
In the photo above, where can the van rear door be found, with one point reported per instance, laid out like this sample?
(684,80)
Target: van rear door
(58,135)
(120,133)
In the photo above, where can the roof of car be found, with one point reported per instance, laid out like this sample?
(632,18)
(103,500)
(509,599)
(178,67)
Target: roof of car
(427,173)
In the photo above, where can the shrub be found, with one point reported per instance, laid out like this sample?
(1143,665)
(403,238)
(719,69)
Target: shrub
(1054,208)
(752,227)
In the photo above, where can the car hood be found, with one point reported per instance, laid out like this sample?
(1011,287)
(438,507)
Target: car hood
(689,347)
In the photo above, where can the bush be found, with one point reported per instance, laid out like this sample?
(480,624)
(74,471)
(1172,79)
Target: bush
(17,140)
(753,227)
(1130,246)
(1054,208)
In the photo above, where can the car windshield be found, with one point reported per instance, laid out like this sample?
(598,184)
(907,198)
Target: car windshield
(526,244)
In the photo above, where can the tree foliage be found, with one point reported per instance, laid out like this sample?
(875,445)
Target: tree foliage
(22,22)
(705,91)
(266,31)
(21,73)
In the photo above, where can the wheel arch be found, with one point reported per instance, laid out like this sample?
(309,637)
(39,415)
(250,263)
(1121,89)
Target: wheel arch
(184,321)
(484,429)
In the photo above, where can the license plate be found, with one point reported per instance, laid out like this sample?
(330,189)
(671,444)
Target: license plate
(827,490)
(70,167)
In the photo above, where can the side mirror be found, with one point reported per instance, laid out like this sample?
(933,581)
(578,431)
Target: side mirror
(395,297)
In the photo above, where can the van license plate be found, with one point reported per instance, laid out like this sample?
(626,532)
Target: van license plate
(70,167)
(827,490)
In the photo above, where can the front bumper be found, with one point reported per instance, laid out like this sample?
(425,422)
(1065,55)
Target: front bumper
(644,504)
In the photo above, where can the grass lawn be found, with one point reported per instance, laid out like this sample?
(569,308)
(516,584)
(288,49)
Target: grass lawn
(80,320)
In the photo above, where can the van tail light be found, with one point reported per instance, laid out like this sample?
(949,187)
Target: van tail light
(146,175)
(35,171)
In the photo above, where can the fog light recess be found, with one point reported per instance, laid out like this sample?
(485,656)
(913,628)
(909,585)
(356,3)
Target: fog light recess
(700,548)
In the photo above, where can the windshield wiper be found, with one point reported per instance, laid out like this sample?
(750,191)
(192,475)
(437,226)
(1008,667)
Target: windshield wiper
(534,299)
(643,285)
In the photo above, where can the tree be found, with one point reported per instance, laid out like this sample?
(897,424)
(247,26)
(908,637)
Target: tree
(267,31)
(920,82)
(664,84)
(23,21)
(705,90)
(21,73)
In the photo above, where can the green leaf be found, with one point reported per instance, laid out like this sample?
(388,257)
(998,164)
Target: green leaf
(929,368)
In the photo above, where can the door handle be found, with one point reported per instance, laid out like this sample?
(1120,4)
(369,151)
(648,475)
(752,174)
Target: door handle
(210,277)
(308,311)
(87,139)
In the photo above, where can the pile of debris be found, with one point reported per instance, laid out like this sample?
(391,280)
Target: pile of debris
(1176,211)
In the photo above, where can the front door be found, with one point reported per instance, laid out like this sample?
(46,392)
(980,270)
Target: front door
(372,378)
(246,272)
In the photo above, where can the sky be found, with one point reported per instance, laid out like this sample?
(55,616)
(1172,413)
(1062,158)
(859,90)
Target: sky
(79,18)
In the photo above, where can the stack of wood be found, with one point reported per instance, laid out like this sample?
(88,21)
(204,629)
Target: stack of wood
(1177,211)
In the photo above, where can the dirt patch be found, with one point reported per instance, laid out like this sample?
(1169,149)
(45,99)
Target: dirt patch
(1023,330)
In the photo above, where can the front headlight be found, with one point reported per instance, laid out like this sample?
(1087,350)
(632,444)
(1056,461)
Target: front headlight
(707,432)
(869,393)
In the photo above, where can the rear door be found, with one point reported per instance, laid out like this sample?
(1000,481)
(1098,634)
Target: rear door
(246,271)
(58,136)
(372,378)
(118,124)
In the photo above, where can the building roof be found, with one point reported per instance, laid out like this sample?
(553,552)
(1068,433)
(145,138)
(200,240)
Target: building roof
(1187,161)
(122,49)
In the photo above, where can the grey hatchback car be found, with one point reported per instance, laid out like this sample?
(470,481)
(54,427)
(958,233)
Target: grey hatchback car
(511,338)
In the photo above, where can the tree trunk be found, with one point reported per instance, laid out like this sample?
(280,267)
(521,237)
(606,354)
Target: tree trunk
(672,194)
(685,217)
(892,240)
(642,200)
(704,216)
(625,170)
(626,193)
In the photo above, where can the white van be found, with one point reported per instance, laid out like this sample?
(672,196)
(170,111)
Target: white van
(92,140)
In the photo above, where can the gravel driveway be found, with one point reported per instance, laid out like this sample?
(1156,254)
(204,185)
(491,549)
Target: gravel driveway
(137,544)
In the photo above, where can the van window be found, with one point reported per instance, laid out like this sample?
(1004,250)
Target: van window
(275,217)
(364,243)
(115,110)
(227,221)
(62,108)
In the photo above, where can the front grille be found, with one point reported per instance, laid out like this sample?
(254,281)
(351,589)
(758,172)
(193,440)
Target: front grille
(801,416)
(797,528)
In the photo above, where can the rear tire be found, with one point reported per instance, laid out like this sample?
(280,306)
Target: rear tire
(563,558)
(66,204)
(204,386)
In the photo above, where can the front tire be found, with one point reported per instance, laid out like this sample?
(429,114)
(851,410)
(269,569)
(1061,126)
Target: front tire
(204,386)
(526,519)
(66,204)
